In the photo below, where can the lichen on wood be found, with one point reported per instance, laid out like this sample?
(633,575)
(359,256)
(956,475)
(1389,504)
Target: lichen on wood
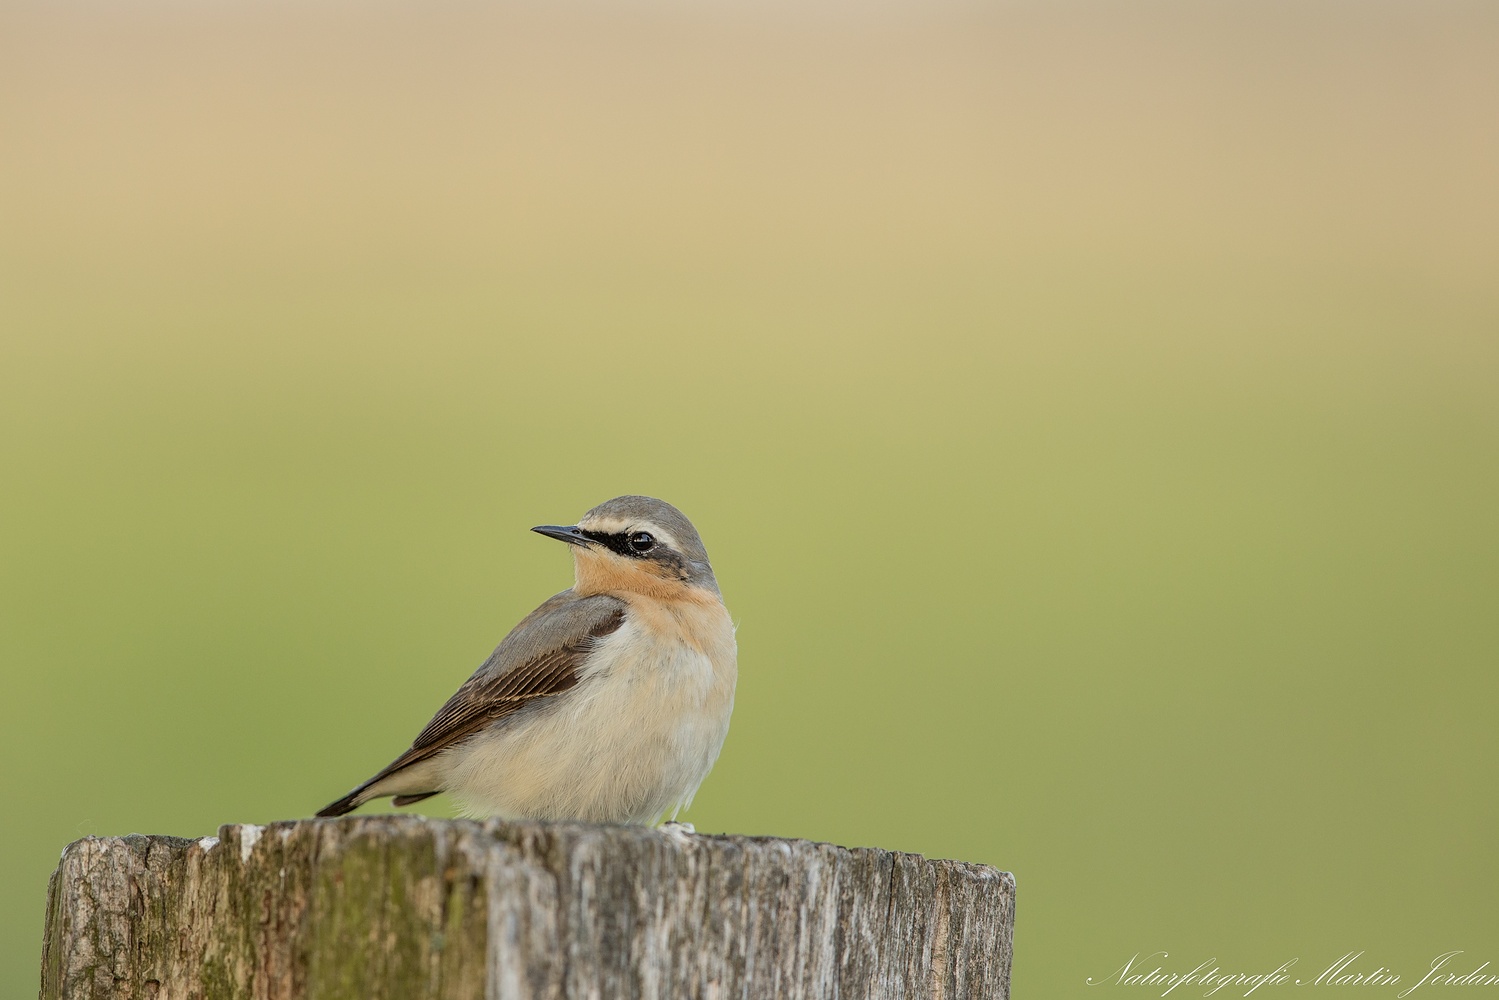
(369,908)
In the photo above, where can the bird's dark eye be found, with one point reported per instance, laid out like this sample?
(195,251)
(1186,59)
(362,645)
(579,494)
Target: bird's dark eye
(642,542)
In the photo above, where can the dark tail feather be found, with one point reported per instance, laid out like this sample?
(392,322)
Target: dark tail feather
(355,799)
(348,803)
(406,800)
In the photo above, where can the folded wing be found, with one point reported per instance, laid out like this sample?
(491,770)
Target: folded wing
(540,657)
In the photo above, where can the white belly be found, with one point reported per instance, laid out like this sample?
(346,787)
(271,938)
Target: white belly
(630,743)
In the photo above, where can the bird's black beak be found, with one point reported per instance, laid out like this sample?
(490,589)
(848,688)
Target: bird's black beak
(571,533)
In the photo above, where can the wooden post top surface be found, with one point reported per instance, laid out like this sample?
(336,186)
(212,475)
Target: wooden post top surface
(406,907)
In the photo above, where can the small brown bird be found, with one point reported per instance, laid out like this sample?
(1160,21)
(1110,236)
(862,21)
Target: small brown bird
(609,703)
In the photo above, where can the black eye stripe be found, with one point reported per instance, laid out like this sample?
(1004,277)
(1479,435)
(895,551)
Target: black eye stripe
(619,541)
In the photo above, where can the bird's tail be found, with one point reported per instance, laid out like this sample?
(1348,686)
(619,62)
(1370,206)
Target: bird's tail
(348,803)
(363,794)
(406,800)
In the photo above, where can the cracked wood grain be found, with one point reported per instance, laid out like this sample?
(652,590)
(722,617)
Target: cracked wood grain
(405,907)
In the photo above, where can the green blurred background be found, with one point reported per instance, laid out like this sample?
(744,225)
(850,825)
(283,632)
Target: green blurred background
(1090,408)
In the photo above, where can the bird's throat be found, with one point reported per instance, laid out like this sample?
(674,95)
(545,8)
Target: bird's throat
(606,573)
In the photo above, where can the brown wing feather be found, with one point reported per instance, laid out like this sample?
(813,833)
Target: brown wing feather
(539,657)
(489,696)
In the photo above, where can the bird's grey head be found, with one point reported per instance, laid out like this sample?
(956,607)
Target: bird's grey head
(638,535)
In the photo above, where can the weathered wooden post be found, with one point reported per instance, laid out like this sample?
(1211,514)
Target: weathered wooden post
(405,907)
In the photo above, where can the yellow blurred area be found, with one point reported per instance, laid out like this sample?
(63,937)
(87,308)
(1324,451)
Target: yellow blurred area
(1090,409)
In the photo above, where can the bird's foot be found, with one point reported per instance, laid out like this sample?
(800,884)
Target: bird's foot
(680,832)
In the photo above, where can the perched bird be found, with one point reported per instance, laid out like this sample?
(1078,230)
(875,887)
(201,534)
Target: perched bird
(609,703)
